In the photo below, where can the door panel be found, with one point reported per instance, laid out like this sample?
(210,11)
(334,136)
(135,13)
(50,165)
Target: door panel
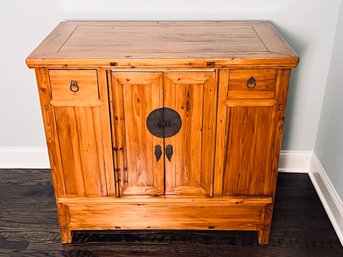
(250,139)
(80,142)
(135,95)
(193,96)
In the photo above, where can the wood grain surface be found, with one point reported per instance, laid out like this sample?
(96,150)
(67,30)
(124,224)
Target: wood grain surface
(264,88)
(135,95)
(245,163)
(248,131)
(193,96)
(175,44)
(78,136)
(29,227)
(87,92)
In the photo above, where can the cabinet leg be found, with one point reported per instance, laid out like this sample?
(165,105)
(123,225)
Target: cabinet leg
(63,218)
(66,236)
(266,220)
(263,236)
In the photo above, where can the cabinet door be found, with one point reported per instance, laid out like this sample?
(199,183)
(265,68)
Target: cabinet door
(193,96)
(135,95)
(249,130)
(79,102)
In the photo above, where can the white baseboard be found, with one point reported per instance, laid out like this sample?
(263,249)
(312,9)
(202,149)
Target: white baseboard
(308,162)
(295,161)
(328,195)
(24,157)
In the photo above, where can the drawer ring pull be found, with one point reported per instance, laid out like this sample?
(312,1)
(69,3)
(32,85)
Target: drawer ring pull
(251,83)
(74,87)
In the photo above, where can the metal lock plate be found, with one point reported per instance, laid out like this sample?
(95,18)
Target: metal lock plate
(164,122)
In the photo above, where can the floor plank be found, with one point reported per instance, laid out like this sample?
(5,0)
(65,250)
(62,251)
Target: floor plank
(28,227)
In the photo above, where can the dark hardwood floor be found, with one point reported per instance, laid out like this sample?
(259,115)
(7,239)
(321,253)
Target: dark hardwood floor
(28,227)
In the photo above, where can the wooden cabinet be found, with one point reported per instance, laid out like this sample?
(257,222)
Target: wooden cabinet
(164,125)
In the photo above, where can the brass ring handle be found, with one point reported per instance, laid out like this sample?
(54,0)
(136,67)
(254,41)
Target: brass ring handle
(251,83)
(74,87)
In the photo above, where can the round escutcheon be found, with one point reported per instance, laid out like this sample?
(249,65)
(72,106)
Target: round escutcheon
(164,122)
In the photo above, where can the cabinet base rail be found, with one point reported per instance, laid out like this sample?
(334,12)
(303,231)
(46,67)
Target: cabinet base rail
(165,214)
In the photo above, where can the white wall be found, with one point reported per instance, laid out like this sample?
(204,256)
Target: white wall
(329,145)
(308,25)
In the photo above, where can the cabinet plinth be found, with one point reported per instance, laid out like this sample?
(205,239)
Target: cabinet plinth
(164,125)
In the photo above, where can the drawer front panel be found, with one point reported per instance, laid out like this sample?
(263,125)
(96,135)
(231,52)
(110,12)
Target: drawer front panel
(252,84)
(74,88)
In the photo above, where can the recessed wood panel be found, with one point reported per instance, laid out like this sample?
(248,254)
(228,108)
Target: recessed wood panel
(172,215)
(135,95)
(193,96)
(80,142)
(248,151)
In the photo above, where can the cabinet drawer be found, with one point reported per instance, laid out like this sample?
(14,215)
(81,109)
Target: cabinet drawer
(74,87)
(245,84)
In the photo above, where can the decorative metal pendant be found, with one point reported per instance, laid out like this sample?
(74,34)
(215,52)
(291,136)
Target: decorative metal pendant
(164,122)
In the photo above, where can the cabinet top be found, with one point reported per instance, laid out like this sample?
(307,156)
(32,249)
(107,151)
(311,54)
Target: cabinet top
(163,44)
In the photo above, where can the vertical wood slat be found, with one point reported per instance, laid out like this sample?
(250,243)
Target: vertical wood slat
(114,132)
(209,132)
(105,128)
(51,135)
(282,85)
(118,120)
(221,131)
